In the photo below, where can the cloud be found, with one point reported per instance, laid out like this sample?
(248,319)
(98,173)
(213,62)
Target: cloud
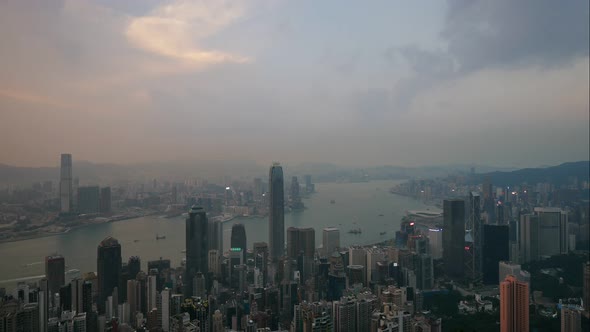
(178,31)
(483,34)
(494,35)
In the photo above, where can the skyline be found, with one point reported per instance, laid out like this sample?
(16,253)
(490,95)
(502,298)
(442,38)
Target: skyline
(294,81)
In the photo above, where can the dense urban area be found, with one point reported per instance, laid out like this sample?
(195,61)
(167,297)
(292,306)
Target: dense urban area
(498,256)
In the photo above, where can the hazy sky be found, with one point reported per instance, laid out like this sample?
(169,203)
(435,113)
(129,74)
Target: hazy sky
(351,82)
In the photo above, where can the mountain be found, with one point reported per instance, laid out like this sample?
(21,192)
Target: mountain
(556,175)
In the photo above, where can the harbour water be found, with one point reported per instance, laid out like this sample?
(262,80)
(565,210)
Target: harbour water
(366,205)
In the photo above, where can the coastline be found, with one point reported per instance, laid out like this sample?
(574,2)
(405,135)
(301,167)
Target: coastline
(69,229)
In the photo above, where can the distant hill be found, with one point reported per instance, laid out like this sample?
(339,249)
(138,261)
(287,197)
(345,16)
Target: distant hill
(556,175)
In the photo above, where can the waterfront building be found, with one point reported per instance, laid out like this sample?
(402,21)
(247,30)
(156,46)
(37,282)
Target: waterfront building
(105,200)
(65,184)
(89,199)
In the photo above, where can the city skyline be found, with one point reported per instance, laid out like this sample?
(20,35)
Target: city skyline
(243,72)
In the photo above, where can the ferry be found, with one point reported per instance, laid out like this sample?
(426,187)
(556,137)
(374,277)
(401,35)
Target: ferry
(160,237)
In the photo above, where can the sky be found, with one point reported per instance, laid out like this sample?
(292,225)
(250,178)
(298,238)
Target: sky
(354,83)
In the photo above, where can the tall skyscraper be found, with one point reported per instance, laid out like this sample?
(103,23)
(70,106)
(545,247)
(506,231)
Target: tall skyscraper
(238,238)
(529,238)
(105,200)
(89,199)
(571,320)
(197,247)
(474,224)
(108,267)
(330,240)
(435,243)
(276,226)
(514,305)
(587,287)
(261,260)
(454,237)
(553,231)
(215,229)
(65,184)
(55,273)
(495,249)
(301,248)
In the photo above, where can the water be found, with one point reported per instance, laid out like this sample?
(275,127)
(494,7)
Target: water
(356,205)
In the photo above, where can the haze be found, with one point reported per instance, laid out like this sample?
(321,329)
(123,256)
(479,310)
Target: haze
(355,83)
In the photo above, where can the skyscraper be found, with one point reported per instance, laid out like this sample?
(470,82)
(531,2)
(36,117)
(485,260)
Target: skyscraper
(89,199)
(238,238)
(276,226)
(215,229)
(453,237)
(474,224)
(553,231)
(105,200)
(55,273)
(65,184)
(571,320)
(301,247)
(495,249)
(197,247)
(330,240)
(261,259)
(529,238)
(108,267)
(587,287)
(514,305)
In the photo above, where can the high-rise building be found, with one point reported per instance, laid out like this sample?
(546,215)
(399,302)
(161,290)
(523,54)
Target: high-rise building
(587,287)
(424,271)
(529,238)
(105,200)
(215,229)
(454,237)
(238,238)
(65,184)
(435,242)
(89,199)
(261,260)
(197,247)
(301,248)
(108,267)
(571,320)
(475,226)
(55,273)
(151,292)
(495,249)
(345,315)
(508,268)
(276,226)
(331,240)
(514,305)
(553,231)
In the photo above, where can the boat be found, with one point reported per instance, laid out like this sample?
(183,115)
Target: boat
(332,202)
(138,240)
(160,237)
(382,233)
(380,215)
(355,231)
